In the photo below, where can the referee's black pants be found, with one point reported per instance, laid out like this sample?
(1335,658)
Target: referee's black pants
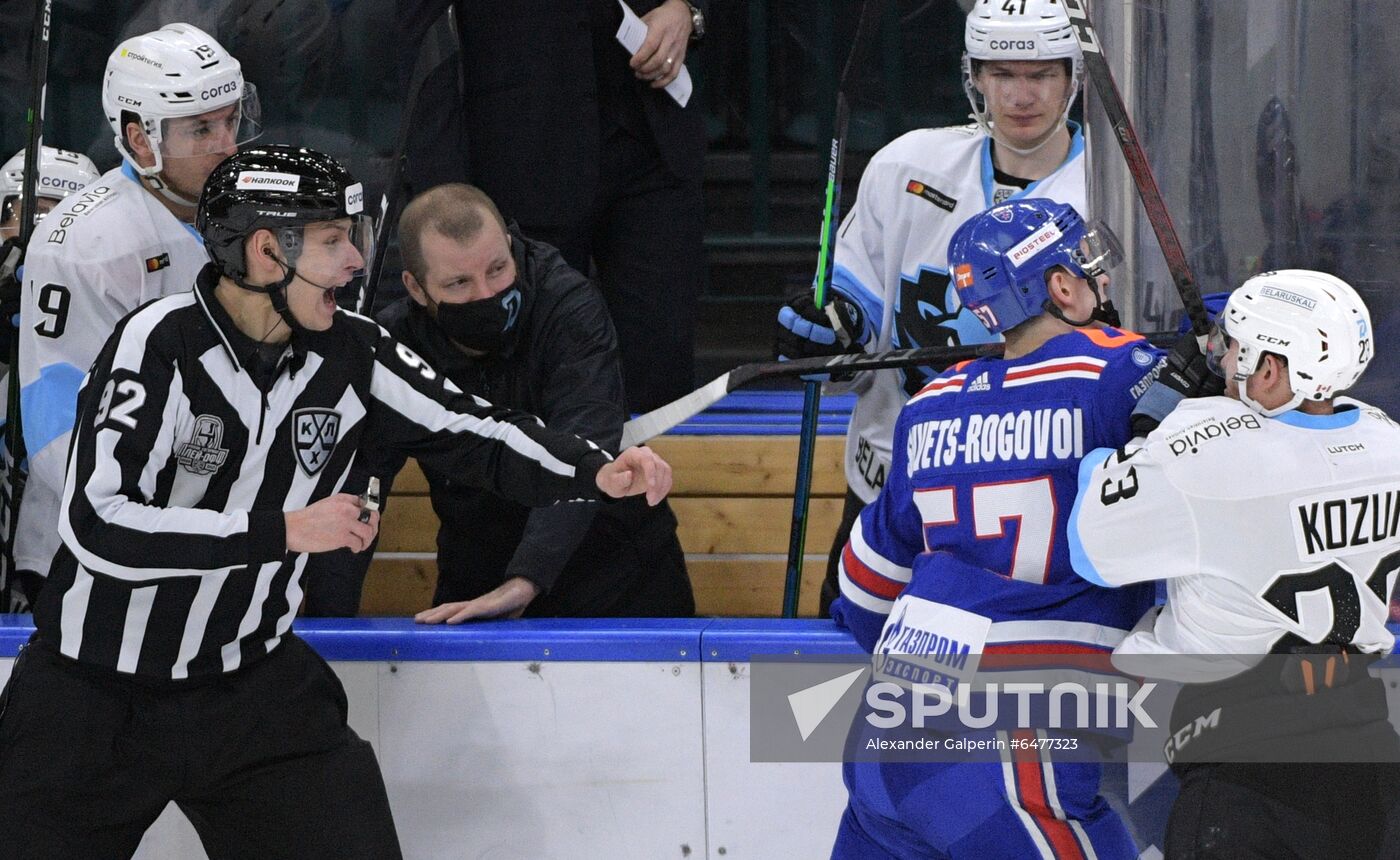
(262,762)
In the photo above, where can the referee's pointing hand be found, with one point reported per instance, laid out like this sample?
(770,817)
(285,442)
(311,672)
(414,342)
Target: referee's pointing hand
(331,523)
(636,471)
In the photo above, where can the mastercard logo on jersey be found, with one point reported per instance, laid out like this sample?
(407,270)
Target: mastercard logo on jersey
(932,195)
(156,263)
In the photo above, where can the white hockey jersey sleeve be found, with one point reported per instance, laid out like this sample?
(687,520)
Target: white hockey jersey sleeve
(1130,523)
(69,307)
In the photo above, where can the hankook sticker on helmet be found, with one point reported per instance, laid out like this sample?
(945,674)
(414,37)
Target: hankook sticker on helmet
(268,181)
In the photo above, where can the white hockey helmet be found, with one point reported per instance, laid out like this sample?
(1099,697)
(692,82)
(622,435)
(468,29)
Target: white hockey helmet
(1316,321)
(176,71)
(60,173)
(1012,30)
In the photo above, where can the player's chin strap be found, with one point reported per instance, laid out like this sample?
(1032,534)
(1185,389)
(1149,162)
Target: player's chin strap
(1032,150)
(152,176)
(1243,382)
(169,193)
(1103,311)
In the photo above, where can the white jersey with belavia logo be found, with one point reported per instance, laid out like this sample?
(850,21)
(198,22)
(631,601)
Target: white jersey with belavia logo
(101,253)
(1270,532)
(892,260)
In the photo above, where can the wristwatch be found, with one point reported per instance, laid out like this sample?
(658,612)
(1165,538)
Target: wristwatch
(697,23)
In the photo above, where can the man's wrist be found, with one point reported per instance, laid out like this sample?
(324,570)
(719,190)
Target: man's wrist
(697,22)
(524,585)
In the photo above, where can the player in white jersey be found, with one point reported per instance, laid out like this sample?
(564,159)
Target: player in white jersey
(890,284)
(1273,513)
(179,105)
(60,174)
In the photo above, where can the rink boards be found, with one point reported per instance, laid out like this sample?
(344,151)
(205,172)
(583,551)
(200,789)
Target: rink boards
(582,738)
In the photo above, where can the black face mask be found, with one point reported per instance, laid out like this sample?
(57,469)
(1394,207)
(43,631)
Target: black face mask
(485,325)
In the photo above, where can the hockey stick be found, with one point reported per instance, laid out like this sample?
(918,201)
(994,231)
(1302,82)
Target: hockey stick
(658,421)
(29,207)
(1138,168)
(812,391)
(390,202)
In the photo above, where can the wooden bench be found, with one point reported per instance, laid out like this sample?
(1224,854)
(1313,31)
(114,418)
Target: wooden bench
(732,498)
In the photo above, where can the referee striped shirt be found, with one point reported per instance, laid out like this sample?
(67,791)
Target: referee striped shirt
(174,562)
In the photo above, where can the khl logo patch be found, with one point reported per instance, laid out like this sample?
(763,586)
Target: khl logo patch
(314,433)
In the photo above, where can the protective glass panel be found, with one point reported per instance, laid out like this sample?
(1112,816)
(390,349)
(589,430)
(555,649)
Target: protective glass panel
(1274,142)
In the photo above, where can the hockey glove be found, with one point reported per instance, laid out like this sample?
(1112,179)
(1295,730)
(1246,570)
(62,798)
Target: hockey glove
(1184,373)
(11,273)
(806,331)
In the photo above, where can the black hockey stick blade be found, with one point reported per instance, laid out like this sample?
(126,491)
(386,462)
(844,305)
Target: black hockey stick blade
(658,421)
(1099,72)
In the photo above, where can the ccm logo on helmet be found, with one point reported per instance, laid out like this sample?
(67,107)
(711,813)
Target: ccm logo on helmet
(221,90)
(265,181)
(1011,45)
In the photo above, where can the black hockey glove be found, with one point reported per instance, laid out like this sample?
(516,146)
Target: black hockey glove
(805,331)
(11,252)
(1184,373)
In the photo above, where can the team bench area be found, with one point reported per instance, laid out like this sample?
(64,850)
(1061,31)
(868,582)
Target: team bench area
(734,468)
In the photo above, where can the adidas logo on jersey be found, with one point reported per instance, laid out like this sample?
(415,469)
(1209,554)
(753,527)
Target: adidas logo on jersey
(980,383)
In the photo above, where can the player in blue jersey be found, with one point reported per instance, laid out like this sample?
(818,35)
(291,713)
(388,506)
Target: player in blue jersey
(967,537)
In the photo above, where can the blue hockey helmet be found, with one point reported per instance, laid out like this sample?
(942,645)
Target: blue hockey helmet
(998,260)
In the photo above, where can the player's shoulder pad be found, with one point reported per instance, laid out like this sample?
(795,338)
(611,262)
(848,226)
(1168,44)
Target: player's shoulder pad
(359,328)
(1121,351)
(1198,416)
(925,147)
(950,379)
(1368,412)
(1110,338)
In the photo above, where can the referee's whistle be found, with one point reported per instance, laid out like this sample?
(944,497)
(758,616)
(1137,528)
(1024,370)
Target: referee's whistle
(369,500)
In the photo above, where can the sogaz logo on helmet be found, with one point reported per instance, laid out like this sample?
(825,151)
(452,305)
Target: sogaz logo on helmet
(226,88)
(265,180)
(60,183)
(354,199)
(1011,45)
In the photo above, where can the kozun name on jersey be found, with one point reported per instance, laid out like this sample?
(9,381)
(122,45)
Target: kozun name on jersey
(1360,519)
(997,437)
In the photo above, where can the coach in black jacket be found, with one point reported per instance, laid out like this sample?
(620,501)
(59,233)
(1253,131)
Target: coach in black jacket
(506,319)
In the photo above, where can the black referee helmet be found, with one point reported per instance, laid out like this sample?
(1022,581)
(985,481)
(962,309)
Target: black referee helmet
(278,188)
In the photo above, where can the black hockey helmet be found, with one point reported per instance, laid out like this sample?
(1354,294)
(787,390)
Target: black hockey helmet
(279,188)
(282,189)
